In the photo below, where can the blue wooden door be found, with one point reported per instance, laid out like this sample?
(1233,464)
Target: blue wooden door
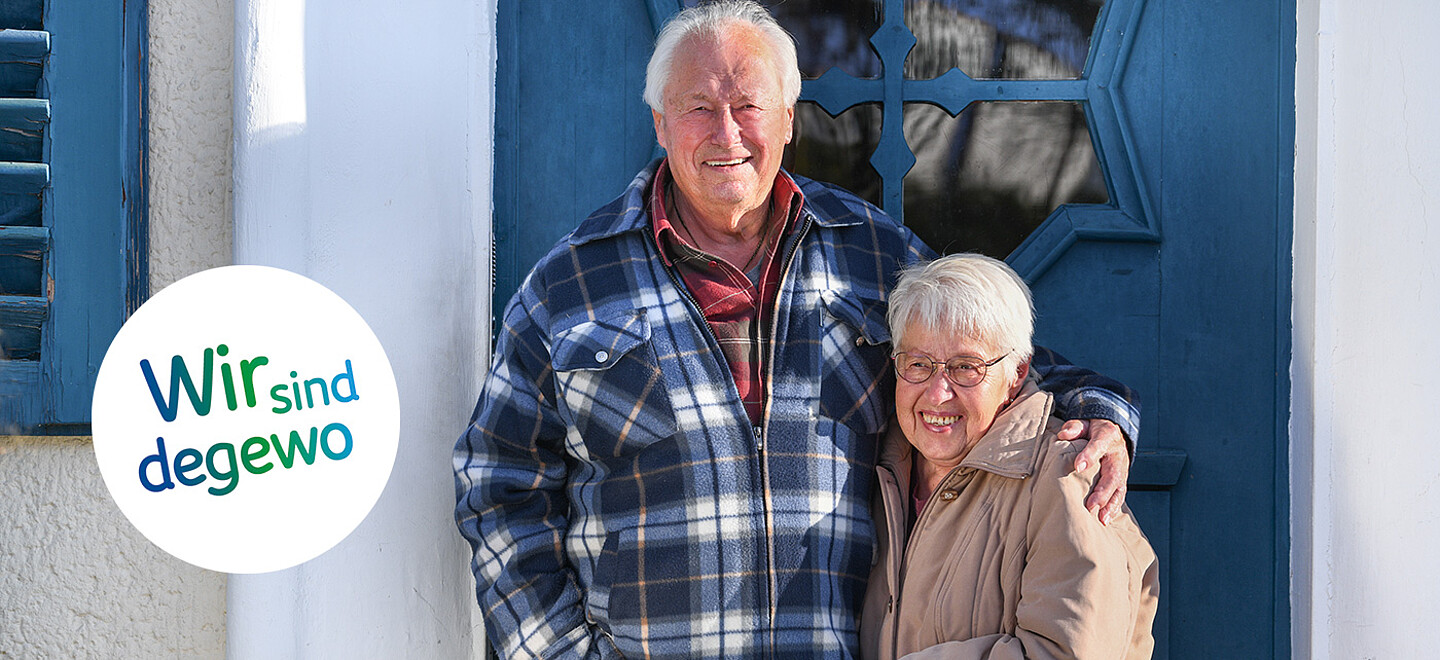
(1131,158)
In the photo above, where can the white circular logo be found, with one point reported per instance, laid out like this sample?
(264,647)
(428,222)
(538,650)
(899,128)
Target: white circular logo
(245,419)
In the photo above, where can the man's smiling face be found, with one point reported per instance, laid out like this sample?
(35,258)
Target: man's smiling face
(725,124)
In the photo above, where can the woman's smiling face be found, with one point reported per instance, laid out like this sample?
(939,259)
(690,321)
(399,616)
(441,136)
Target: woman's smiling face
(942,420)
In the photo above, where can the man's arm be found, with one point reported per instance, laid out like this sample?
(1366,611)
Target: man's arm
(510,479)
(1083,394)
(1103,410)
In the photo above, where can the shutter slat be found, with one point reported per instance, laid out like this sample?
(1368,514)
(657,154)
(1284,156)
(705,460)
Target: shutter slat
(14,240)
(22,129)
(16,15)
(21,188)
(28,45)
(23,178)
(22,260)
(23,306)
(22,61)
(21,317)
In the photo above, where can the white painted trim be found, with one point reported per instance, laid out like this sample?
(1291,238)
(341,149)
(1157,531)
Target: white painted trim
(1312,304)
(481,131)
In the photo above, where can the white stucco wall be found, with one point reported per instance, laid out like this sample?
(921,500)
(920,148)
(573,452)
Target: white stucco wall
(189,106)
(1366,465)
(76,579)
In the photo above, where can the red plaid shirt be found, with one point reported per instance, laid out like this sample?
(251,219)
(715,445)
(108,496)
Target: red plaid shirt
(738,310)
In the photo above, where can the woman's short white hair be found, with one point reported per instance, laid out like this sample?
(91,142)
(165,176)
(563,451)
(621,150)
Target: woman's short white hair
(971,295)
(711,20)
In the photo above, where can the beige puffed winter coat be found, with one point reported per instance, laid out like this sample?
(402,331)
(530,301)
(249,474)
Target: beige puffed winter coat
(1005,562)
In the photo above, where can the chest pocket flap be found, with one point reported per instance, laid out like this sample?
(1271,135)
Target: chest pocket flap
(608,376)
(854,362)
(865,316)
(600,343)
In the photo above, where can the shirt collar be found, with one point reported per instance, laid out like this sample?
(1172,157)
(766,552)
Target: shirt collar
(786,200)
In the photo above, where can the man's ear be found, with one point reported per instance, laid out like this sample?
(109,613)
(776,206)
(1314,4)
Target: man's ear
(789,124)
(659,134)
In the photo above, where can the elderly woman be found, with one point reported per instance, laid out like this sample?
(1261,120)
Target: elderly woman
(986,549)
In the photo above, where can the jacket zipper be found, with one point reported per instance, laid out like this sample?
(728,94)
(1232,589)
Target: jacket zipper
(771,586)
(757,431)
(892,607)
(891,627)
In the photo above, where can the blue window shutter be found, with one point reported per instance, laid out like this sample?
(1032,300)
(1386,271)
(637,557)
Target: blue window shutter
(72,248)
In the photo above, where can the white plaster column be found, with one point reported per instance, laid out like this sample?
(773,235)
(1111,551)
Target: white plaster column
(363,154)
(1365,460)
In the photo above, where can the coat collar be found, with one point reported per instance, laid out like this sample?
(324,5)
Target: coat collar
(1009,449)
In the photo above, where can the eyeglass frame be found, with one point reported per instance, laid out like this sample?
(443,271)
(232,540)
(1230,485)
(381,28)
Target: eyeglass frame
(983,367)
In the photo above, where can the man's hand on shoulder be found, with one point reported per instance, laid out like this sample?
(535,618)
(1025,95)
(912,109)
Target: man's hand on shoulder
(1106,447)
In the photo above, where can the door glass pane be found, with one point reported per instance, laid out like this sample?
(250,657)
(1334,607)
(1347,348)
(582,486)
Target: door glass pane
(830,33)
(837,149)
(1015,39)
(984,179)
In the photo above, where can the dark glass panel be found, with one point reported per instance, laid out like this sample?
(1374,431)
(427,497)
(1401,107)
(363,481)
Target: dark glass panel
(837,149)
(830,33)
(1015,39)
(985,179)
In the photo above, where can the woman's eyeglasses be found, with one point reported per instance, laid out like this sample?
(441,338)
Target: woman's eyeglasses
(962,370)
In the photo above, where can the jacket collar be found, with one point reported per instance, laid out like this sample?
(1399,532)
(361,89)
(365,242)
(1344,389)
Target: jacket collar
(629,212)
(1009,449)
(1013,444)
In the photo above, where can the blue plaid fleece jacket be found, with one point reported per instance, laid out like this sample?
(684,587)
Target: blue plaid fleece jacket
(617,498)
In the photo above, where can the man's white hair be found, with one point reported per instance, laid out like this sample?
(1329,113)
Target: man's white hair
(970,295)
(712,20)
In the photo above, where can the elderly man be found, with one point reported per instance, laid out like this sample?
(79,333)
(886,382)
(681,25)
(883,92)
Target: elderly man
(674,451)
